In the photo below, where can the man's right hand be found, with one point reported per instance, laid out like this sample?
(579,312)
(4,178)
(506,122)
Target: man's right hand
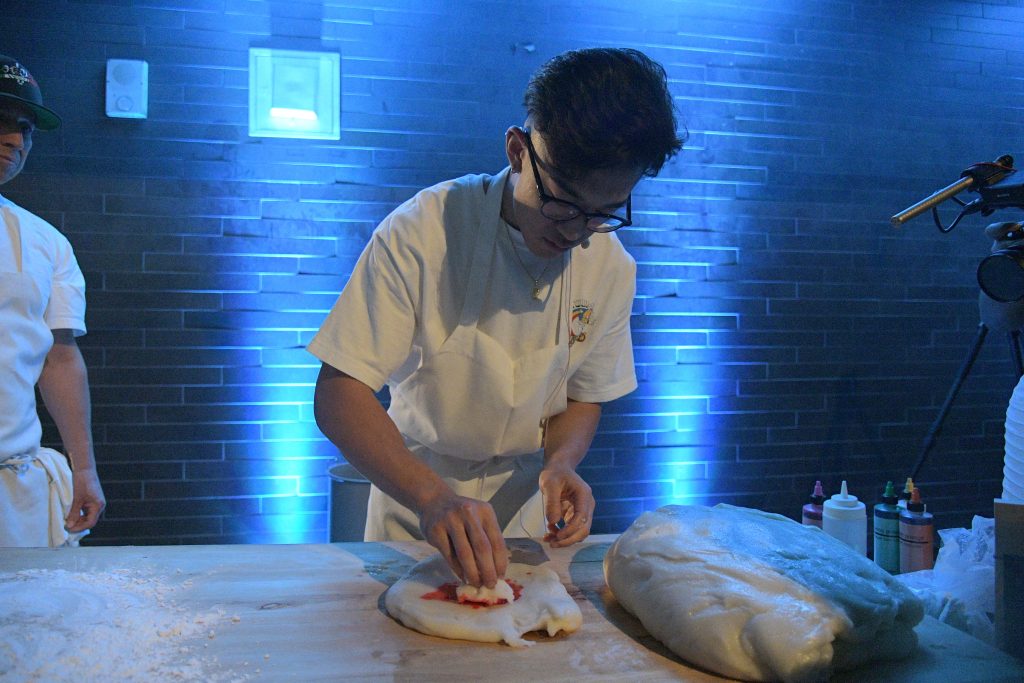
(466,533)
(464,530)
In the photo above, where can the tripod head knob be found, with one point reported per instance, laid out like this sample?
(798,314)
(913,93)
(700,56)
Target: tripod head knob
(1004,233)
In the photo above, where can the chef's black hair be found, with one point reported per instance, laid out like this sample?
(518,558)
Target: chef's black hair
(603,108)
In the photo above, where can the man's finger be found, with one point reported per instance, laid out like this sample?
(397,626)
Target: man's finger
(442,542)
(553,507)
(575,537)
(498,549)
(83,515)
(74,518)
(464,553)
(483,554)
(575,529)
(92,514)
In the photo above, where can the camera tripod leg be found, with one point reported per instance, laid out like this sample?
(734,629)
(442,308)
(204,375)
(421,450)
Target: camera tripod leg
(1015,353)
(965,369)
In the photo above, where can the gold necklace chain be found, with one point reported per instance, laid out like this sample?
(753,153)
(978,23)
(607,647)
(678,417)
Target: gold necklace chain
(536,280)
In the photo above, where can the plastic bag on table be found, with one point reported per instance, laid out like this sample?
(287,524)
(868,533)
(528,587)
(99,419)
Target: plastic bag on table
(960,589)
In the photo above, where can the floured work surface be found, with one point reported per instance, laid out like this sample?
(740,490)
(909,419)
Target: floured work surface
(121,625)
(316,613)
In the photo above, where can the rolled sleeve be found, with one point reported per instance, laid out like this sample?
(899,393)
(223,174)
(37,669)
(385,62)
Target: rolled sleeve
(66,307)
(369,331)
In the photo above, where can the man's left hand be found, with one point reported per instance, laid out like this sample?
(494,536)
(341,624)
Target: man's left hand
(568,501)
(88,501)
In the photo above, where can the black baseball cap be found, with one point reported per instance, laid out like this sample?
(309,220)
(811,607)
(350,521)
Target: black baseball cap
(16,83)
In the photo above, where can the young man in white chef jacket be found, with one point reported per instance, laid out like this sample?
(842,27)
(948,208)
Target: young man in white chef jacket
(43,501)
(496,309)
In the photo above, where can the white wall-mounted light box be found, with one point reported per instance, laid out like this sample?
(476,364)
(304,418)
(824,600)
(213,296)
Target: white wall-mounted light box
(127,92)
(294,94)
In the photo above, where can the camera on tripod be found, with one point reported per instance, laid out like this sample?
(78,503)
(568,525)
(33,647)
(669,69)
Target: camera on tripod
(1001,273)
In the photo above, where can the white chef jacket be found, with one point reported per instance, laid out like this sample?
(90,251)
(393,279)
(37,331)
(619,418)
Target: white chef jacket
(443,262)
(41,289)
(39,263)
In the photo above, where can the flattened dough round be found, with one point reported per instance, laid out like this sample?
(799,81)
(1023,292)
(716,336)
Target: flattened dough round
(544,605)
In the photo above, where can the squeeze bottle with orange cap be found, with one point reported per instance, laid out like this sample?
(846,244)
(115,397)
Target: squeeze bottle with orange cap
(917,536)
(846,518)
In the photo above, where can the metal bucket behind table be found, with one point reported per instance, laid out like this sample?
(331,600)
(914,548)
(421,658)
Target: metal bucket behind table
(349,492)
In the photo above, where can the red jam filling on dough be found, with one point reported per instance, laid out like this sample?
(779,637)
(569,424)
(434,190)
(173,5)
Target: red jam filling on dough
(446,592)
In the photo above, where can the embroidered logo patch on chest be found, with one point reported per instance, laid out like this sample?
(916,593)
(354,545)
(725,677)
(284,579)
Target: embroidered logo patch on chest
(580,319)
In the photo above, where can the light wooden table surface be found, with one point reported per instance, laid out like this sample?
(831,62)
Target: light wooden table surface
(315,613)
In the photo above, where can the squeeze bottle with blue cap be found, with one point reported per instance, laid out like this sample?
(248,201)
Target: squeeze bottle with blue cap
(812,511)
(846,518)
(887,531)
(917,536)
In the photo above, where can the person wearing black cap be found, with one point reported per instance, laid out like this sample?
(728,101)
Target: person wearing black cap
(43,500)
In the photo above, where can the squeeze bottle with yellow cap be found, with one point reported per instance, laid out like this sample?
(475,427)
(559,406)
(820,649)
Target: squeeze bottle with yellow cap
(846,518)
(904,496)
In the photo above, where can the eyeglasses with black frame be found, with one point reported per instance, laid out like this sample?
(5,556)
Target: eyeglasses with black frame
(562,211)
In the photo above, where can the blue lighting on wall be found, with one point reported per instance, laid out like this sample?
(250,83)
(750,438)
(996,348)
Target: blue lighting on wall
(686,378)
(291,516)
(287,468)
(685,462)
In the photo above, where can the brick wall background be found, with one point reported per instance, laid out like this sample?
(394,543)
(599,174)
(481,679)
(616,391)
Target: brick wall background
(784,331)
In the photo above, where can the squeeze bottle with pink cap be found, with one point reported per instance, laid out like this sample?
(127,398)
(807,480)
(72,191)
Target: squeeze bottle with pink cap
(846,518)
(812,511)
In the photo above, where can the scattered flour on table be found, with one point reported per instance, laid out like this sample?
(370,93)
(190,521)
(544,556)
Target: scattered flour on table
(120,625)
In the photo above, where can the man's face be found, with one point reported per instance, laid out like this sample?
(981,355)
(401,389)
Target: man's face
(602,191)
(16,126)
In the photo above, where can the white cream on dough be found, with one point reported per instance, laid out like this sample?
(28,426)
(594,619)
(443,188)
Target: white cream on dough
(544,605)
(484,595)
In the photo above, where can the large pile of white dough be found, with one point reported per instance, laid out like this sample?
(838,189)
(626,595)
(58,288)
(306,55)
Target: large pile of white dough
(757,596)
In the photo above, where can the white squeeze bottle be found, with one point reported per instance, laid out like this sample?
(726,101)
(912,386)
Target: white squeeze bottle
(846,518)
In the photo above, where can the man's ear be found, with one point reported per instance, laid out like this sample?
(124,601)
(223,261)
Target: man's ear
(515,149)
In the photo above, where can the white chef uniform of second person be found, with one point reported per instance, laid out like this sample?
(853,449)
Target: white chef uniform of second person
(440,308)
(41,289)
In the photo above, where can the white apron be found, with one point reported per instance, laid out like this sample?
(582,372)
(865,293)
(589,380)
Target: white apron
(475,415)
(36,492)
(35,483)
(24,342)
